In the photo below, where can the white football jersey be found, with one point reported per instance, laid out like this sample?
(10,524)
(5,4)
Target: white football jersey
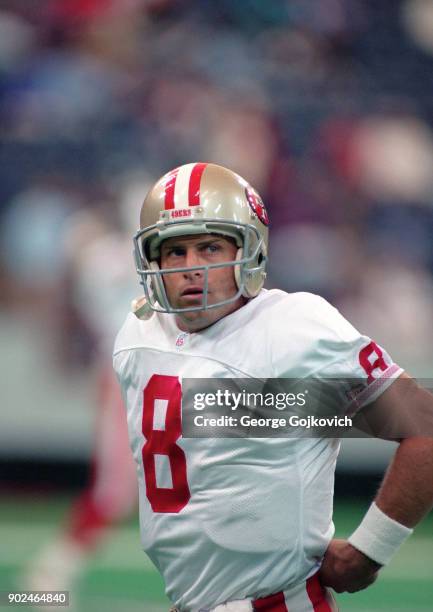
(226,519)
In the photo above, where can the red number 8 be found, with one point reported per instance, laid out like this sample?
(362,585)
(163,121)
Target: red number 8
(163,442)
(369,364)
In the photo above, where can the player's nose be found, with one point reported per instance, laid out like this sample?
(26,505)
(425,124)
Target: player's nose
(192,258)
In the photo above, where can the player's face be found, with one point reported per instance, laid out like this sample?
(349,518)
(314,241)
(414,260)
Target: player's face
(185,289)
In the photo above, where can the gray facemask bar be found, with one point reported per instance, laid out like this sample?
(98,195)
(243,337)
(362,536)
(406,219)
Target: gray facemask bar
(146,274)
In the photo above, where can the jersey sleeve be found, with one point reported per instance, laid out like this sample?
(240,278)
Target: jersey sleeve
(361,369)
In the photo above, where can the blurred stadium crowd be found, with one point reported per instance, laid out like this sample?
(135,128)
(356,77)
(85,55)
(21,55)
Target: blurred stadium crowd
(326,107)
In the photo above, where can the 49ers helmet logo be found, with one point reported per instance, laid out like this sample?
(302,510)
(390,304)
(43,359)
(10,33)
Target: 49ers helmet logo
(256,205)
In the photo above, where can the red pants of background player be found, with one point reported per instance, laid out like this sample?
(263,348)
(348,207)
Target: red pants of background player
(112,493)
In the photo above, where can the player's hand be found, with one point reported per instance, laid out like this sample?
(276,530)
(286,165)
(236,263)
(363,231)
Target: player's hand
(345,568)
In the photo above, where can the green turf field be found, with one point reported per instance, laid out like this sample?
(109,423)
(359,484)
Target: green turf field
(121,579)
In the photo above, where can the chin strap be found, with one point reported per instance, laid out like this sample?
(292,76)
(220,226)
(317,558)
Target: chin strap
(141,308)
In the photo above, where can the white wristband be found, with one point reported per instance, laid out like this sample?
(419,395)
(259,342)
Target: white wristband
(379,536)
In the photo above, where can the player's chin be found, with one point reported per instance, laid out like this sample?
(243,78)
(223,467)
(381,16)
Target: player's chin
(183,305)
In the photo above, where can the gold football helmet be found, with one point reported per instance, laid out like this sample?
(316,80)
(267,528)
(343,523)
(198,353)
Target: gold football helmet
(202,198)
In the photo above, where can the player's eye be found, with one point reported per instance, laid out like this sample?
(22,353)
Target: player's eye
(175,252)
(214,247)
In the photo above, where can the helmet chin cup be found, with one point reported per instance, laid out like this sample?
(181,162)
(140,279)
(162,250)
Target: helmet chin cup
(141,308)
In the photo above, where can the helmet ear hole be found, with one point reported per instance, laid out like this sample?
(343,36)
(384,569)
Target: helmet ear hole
(249,280)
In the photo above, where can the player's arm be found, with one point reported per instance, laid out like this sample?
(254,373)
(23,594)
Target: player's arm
(404,412)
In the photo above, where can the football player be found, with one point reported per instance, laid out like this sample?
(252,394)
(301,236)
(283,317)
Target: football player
(98,297)
(246,524)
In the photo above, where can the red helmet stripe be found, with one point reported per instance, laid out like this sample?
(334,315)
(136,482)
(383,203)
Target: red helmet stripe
(169,188)
(194,184)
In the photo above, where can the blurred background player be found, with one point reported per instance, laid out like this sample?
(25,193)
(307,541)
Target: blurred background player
(97,282)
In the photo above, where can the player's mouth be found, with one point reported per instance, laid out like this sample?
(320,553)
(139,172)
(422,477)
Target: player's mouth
(194,292)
